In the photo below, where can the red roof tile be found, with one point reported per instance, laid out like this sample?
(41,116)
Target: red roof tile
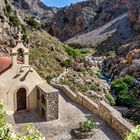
(5,63)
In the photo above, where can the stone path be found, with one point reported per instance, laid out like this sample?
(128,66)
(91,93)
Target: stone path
(70,115)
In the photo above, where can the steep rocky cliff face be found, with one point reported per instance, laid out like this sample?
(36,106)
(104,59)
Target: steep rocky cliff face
(72,20)
(128,54)
(109,10)
(35,8)
(84,16)
(134,14)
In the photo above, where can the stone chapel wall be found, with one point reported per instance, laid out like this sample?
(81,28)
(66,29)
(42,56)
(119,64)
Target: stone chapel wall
(49,103)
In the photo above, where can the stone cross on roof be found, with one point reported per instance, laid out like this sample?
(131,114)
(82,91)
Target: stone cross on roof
(20,36)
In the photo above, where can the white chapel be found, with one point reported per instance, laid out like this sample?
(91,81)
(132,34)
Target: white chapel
(21,87)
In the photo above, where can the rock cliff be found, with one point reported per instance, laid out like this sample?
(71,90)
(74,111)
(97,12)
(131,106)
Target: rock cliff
(84,16)
(134,14)
(78,18)
(34,8)
(72,20)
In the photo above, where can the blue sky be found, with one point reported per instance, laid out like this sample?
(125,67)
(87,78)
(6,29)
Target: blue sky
(59,3)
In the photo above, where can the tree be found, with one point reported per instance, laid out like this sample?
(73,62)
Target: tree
(121,87)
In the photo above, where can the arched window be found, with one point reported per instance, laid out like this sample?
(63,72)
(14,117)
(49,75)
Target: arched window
(20,56)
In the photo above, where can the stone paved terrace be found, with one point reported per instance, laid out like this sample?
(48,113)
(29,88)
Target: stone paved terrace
(70,115)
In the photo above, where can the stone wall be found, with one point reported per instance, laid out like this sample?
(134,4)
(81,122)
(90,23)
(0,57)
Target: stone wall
(114,119)
(52,106)
(100,108)
(87,102)
(49,102)
(69,93)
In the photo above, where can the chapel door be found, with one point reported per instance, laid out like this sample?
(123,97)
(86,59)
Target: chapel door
(21,99)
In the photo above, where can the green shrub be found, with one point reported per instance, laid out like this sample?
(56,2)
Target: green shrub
(134,135)
(49,78)
(123,92)
(24,29)
(121,87)
(14,20)
(111,53)
(25,36)
(110,99)
(126,100)
(32,22)
(7,10)
(129,80)
(65,63)
(65,82)
(84,51)
(87,125)
(73,52)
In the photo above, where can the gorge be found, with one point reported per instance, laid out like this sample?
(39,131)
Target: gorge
(90,49)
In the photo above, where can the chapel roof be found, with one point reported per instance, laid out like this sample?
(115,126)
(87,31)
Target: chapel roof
(5,63)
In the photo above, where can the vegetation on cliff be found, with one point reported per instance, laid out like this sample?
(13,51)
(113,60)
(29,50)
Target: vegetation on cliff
(121,87)
(46,54)
(135,134)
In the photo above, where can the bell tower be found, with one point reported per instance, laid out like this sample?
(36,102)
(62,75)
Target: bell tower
(20,54)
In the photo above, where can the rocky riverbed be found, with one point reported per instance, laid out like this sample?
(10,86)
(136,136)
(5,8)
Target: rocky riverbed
(127,63)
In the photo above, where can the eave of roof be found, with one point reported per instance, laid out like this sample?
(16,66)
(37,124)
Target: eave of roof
(5,63)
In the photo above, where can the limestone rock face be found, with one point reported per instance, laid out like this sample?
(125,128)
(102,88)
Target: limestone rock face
(128,61)
(134,68)
(134,14)
(34,7)
(84,16)
(70,21)
(132,55)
